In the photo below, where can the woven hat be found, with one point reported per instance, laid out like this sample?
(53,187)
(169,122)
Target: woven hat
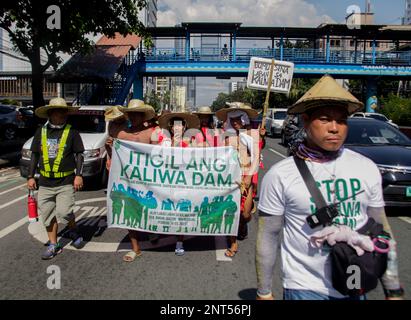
(136,105)
(234,106)
(326,92)
(204,110)
(191,120)
(55,103)
(113,113)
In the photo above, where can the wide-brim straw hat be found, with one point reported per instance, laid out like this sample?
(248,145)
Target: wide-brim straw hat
(136,105)
(326,92)
(235,106)
(113,113)
(55,103)
(192,121)
(204,110)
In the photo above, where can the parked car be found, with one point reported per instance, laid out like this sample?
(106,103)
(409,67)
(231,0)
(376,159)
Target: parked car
(274,121)
(374,115)
(89,121)
(390,149)
(11,120)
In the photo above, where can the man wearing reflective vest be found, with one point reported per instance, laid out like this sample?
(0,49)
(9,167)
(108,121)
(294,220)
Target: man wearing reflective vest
(57,149)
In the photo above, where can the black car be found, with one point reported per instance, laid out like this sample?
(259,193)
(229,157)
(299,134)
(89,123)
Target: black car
(390,149)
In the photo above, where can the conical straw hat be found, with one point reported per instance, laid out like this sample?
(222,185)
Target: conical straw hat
(193,122)
(326,92)
(204,110)
(55,103)
(136,105)
(234,106)
(113,113)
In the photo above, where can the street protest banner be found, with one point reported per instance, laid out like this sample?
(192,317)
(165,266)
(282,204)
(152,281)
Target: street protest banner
(191,191)
(259,72)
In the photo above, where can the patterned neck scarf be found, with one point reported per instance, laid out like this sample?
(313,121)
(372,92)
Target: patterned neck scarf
(319,156)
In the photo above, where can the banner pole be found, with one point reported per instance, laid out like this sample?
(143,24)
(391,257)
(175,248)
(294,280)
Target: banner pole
(267,96)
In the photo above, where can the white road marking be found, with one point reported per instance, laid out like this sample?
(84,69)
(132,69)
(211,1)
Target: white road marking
(220,248)
(8,177)
(406,219)
(13,201)
(277,153)
(13,227)
(12,189)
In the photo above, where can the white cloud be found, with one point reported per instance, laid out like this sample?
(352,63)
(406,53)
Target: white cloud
(249,12)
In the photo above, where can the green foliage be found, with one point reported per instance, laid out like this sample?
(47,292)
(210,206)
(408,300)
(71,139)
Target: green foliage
(397,109)
(26,23)
(256,97)
(10,102)
(153,100)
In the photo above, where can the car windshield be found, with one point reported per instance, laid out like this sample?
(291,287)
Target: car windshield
(280,115)
(377,117)
(88,122)
(374,133)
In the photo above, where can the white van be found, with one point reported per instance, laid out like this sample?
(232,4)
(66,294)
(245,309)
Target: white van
(89,121)
(274,121)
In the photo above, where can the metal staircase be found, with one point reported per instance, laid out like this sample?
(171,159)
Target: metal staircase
(123,80)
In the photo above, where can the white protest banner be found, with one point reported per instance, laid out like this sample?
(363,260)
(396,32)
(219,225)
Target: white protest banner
(259,70)
(187,191)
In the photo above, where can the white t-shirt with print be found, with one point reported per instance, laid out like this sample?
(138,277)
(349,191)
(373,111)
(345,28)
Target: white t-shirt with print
(283,192)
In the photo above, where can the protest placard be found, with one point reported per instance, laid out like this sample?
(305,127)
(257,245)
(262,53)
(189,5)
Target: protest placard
(174,190)
(259,70)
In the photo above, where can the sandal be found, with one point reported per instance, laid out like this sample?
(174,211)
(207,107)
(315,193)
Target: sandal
(230,253)
(131,256)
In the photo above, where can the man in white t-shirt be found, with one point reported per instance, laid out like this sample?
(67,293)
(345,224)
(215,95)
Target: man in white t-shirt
(344,177)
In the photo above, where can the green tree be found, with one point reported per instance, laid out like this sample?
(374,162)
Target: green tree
(28,24)
(397,109)
(153,100)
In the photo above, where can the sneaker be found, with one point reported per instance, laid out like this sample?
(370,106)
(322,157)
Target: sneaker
(179,249)
(76,237)
(52,251)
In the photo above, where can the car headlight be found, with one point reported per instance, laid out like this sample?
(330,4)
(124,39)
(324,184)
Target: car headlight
(393,169)
(26,154)
(91,154)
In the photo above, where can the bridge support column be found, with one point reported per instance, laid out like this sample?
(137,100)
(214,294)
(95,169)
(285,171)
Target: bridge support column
(372,101)
(138,88)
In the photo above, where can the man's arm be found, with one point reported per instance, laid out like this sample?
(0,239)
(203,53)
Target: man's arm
(268,239)
(390,280)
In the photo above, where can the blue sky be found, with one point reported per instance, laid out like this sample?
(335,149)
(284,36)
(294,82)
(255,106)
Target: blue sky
(308,13)
(386,11)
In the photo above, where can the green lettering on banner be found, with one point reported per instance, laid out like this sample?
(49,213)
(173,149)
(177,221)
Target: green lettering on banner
(210,179)
(165,175)
(154,164)
(223,182)
(222,166)
(123,171)
(145,176)
(338,188)
(355,186)
(192,164)
(195,176)
(205,164)
(135,174)
(172,166)
(181,178)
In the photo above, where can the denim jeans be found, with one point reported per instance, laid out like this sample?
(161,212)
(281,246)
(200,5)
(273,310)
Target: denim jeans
(292,294)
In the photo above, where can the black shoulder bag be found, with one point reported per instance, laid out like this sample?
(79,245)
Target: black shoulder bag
(371,264)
